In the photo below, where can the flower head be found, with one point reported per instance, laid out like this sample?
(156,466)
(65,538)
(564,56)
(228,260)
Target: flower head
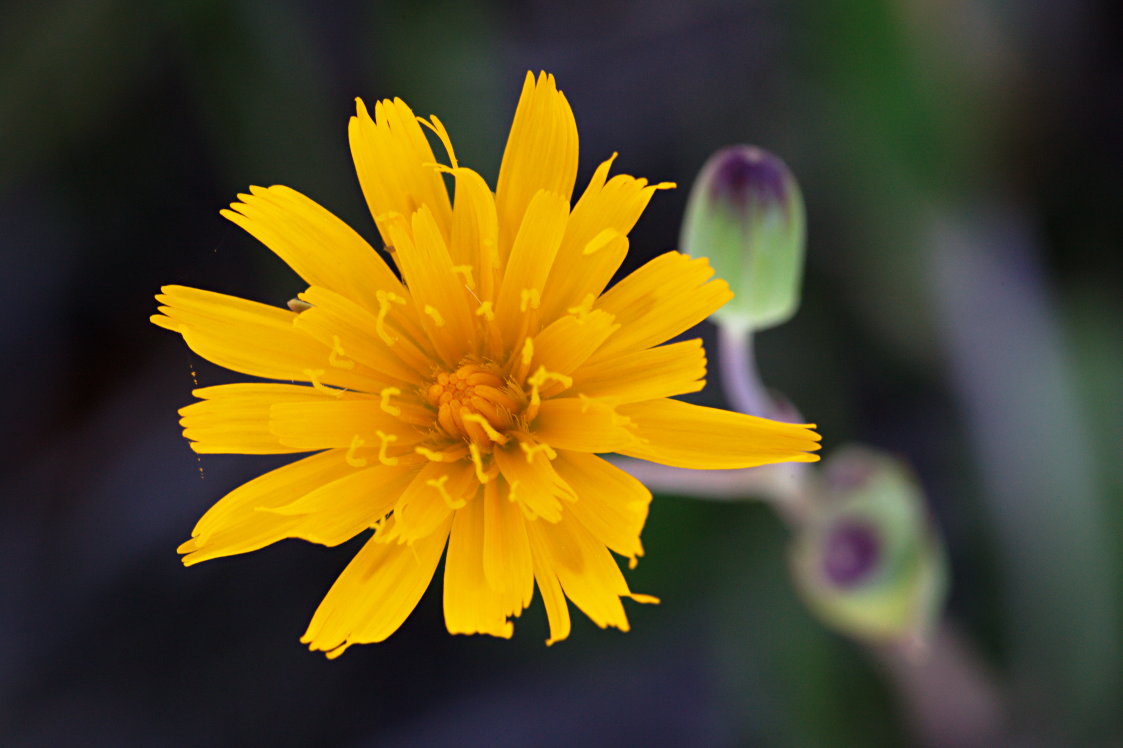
(459,409)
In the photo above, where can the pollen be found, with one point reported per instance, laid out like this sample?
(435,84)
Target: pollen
(474,403)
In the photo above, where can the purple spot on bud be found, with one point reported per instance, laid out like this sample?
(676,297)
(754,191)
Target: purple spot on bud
(742,173)
(851,553)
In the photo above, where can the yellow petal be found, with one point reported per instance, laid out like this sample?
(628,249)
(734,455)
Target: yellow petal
(533,483)
(471,606)
(435,492)
(581,424)
(322,249)
(250,338)
(375,593)
(338,511)
(438,292)
(673,369)
(611,504)
(692,436)
(529,264)
(234,418)
(541,154)
(596,238)
(336,423)
(396,165)
(663,298)
(567,342)
(352,333)
(557,609)
(507,562)
(475,233)
(240,522)
(588,574)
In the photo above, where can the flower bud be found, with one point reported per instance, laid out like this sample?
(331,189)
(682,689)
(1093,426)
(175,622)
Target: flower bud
(745,213)
(867,560)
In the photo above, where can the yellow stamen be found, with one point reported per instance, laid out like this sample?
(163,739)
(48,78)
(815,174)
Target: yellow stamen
(438,320)
(533,449)
(337,357)
(352,459)
(582,310)
(529,299)
(486,310)
(466,271)
(385,396)
(492,434)
(474,450)
(385,299)
(386,440)
(439,484)
(314,378)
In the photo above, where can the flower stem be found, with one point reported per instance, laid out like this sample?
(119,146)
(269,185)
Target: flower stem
(740,380)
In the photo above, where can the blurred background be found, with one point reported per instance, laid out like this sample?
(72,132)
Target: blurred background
(960,162)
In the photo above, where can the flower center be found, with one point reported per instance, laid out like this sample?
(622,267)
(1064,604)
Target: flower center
(473,403)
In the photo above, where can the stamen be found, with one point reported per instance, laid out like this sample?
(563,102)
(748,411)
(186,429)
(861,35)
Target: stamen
(482,476)
(586,401)
(533,449)
(384,301)
(429,454)
(314,378)
(352,459)
(476,418)
(438,320)
(529,298)
(486,310)
(386,440)
(512,496)
(582,310)
(466,271)
(337,357)
(385,396)
(439,484)
(536,382)
(298,305)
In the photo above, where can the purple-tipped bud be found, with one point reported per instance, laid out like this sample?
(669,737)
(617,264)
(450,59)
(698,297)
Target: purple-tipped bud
(745,213)
(851,553)
(867,560)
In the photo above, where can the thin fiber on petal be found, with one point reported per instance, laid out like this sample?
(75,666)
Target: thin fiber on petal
(541,154)
(375,593)
(693,436)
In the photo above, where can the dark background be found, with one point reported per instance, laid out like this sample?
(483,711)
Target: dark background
(960,162)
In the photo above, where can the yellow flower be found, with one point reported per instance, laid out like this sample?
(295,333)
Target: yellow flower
(464,405)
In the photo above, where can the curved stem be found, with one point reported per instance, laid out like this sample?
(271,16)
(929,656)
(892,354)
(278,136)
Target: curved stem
(739,378)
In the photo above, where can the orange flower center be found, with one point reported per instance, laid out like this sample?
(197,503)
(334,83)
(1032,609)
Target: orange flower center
(474,403)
